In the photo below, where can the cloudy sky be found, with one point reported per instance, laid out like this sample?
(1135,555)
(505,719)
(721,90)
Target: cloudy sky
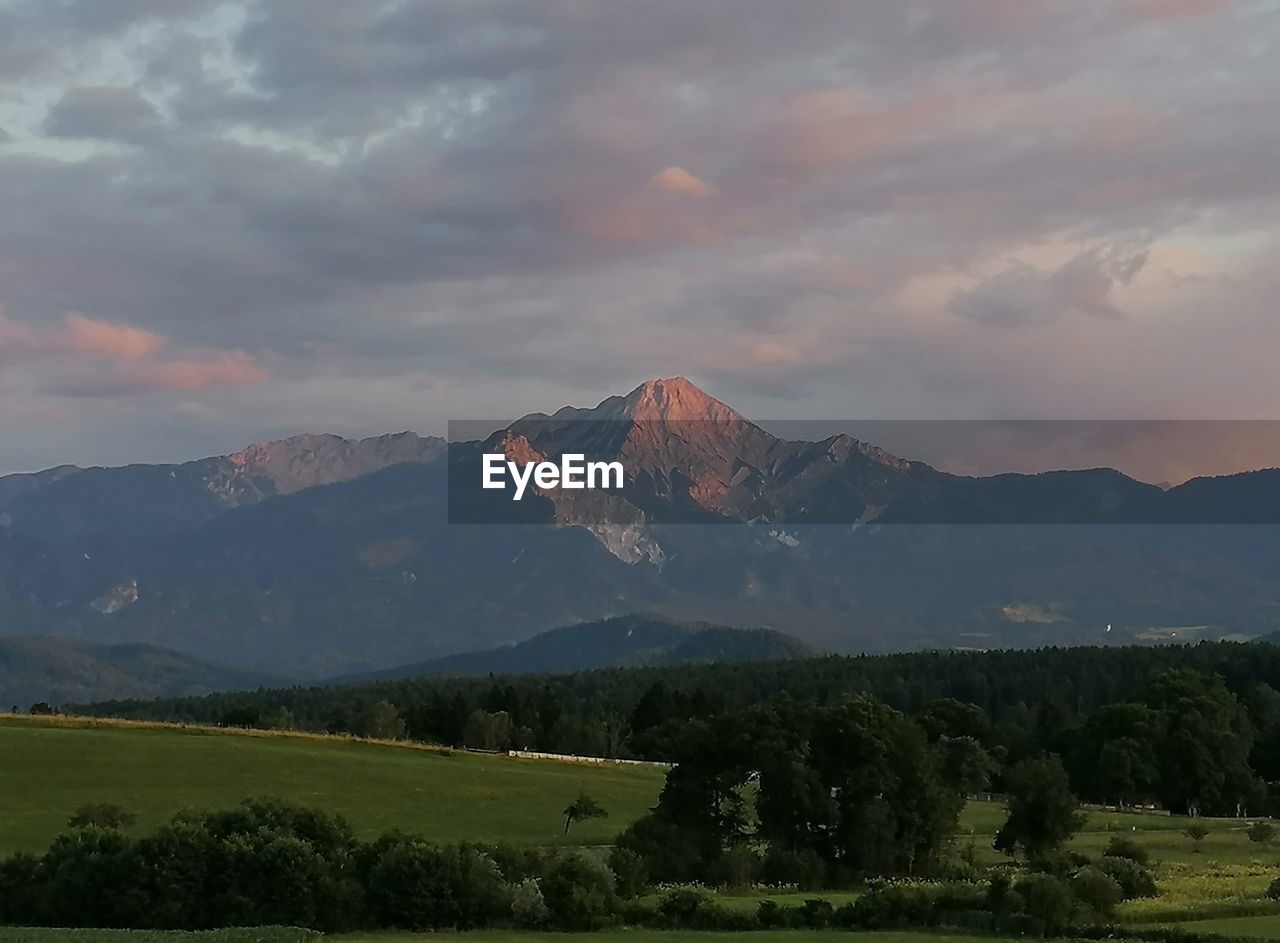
(223,222)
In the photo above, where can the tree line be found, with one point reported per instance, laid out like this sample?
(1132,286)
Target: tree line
(1193,729)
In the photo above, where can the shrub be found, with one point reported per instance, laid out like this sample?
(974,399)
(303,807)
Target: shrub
(1197,833)
(735,868)
(1261,832)
(102,815)
(1097,890)
(528,909)
(782,866)
(20,889)
(1047,899)
(417,885)
(1122,846)
(690,908)
(770,915)
(1273,890)
(86,878)
(669,853)
(630,875)
(1133,878)
(579,892)
(816,914)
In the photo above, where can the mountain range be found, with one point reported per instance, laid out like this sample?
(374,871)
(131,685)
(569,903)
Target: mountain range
(62,671)
(317,555)
(622,641)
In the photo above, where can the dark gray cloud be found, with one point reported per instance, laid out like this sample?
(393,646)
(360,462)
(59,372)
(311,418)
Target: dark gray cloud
(1023,294)
(405,211)
(105,112)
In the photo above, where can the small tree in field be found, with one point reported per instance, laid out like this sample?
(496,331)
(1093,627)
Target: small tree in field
(101,815)
(1261,832)
(1197,833)
(582,808)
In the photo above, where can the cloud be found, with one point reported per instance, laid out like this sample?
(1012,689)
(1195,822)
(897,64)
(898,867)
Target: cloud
(1023,294)
(108,113)
(87,357)
(679,180)
(199,370)
(114,341)
(805,206)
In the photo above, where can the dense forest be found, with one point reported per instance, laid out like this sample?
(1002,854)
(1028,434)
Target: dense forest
(1190,728)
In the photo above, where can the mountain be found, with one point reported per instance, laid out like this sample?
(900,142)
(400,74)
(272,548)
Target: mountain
(318,556)
(606,643)
(61,671)
(139,500)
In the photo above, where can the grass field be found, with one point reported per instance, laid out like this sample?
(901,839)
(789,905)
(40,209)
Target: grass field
(1261,928)
(50,766)
(48,769)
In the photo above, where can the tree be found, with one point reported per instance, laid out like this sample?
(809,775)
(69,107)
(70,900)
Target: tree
(1043,812)
(486,731)
(1261,832)
(380,721)
(966,766)
(1204,753)
(101,815)
(1197,834)
(948,717)
(582,808)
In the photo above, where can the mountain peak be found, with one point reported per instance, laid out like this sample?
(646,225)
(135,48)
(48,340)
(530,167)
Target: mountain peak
(676,398)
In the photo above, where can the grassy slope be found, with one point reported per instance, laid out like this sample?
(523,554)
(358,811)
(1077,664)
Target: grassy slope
(49,769)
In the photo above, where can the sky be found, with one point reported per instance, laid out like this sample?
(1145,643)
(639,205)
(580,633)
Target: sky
(228,222)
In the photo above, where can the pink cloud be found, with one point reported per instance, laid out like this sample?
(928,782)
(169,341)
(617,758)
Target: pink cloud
(678,180)
(70,360)
(110,340)
(202,369)
(834,128)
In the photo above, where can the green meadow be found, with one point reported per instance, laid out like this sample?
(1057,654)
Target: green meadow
(50,768)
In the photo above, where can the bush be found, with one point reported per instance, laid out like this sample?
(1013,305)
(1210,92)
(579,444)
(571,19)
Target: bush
(891,905)
(1046,899)
(816,914)
(668,852)
(579,892)
(1273,890)
(20,889)
(736,868)
(1133,878)
(782,866)
(690,908)
(1122,846)
(102,815)
(771,915)
(1261,832)
(528,909)
(1097,890)
(630,875)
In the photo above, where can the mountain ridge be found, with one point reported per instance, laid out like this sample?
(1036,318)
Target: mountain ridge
(330,577)
(620,641)
(59,671)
